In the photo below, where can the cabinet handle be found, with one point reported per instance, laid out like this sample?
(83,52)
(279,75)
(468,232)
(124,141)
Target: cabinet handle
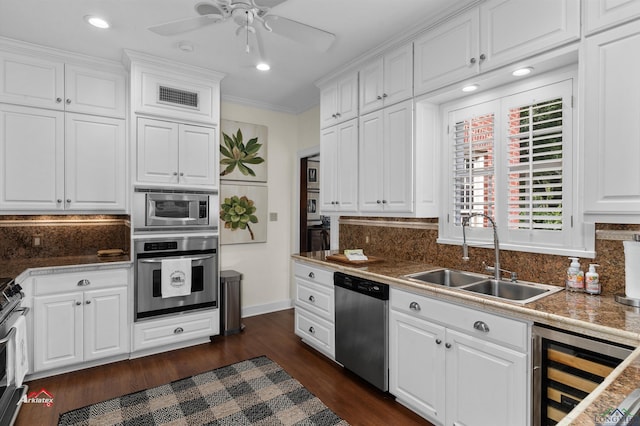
(78,303)
(481,326)
(68,101)
(379,97)
(88,302)
(414,306)
(472,60)
(312,299)
(312,275)
(59,200)
(178,330)
(378,201)
(338,115)
(447,345)
(175,173)
(334,116)
(438,341)
(384,201)
(58,100)
(312,330)
(483,57)
(181,174)
(68,200)
(384,95)
(83,283)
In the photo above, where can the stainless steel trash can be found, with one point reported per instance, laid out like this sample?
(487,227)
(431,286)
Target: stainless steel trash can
(230,307)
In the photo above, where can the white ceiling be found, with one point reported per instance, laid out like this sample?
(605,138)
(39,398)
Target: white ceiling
(359,26)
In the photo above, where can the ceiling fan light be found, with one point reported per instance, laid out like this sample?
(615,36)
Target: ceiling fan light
(263,66)
(97,21)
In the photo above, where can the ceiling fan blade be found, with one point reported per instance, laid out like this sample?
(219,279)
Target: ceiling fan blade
(268,3)
(302,33)
(185,25)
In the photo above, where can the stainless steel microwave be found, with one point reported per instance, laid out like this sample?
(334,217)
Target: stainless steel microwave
(167,210)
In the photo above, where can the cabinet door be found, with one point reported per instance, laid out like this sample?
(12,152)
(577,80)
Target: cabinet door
(512,30)
(486,384)
(197,155)
(447,54)
(371,163)
(371,86)
(58,330)
(328,169)
(347,161)
(328,105)
(347,100)
(611,132)
(106,332)
(601,14)
(157,151)
(32,158)
(398,157)
(93,91)
(417,364)
(398,75)
(95,163)
(29,80)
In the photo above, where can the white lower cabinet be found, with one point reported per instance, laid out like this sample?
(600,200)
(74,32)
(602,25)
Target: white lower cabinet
(458,366)
(314,307)
(79,317)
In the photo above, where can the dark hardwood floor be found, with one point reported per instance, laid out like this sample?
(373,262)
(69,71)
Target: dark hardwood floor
(272,334)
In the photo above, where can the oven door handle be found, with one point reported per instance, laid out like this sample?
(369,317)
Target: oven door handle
(12,331)
(160,260)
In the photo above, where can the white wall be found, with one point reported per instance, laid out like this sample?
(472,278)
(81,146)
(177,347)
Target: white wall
(266,266)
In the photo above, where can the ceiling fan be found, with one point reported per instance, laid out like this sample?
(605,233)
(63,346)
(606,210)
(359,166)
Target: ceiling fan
(246,13)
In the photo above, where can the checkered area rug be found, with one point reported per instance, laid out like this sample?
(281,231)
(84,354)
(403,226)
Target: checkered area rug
(253,392)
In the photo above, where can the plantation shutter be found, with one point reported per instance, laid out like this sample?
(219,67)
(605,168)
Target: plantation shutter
(473,167)
(535,142)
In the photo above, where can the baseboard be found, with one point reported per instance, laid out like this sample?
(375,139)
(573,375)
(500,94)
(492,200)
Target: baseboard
(251,311)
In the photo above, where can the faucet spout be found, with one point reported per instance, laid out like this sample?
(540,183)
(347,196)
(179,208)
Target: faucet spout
(496,243)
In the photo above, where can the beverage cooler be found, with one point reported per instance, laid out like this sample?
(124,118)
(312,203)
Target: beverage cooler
(566,368)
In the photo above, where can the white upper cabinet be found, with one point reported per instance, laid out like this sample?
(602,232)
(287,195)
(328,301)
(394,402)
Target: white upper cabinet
(339,168)
(611,106)
(339,100)
(496,34)
(176,154)
(33,81)
(387,80)
(602,14)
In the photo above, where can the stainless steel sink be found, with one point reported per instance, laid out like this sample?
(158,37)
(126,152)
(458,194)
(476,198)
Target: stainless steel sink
(515,291)
(447,277)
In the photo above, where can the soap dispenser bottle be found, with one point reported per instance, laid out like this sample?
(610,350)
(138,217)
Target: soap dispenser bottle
(592,282)
(575,276)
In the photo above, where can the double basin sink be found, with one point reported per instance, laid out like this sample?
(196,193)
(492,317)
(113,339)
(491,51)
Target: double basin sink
(518,292)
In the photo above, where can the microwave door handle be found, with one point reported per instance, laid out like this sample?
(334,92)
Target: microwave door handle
(160,260)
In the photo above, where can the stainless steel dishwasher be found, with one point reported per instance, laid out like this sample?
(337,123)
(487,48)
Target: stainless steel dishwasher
(362,344)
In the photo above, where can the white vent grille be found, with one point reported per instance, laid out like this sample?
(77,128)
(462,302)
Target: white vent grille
(177,97)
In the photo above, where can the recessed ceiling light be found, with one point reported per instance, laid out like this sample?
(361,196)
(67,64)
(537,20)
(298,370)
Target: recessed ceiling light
(263,66)
(470,88)
(522,71)
(96,21)
(185,46)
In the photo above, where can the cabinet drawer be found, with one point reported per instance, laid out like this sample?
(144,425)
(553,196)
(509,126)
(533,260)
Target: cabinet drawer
(316,331)
(317,299)
(57,283)
(314,274)
(154,333)
(477,323)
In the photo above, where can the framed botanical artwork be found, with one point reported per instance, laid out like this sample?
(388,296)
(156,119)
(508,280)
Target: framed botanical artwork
(313,174)
(243,213)
(313,206)
(243,151)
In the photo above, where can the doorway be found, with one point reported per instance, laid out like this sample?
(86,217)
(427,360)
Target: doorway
(315,229)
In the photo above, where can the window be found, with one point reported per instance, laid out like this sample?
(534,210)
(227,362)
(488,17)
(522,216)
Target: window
(512,159)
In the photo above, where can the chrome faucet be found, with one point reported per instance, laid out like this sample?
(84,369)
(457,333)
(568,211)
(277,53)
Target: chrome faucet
(496,244)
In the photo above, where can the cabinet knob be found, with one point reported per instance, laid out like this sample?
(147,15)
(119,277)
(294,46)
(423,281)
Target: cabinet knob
(447,345)
(68,101)
(481,326)
(378,201)
(338,114)
(472,60)
(178,330)
(483,57)
(384,95)
(379,97)
(83,283)
(384,201)
(181,174)
(312,330)
(438,341)
(414,306)
(68,200)
(58,100)
(88,302)
(175,173)
(312,299)
(334,116)
(78,303)
(312,275)
(59,200)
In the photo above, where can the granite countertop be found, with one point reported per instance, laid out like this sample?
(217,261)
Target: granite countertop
(16,268)
(597,316)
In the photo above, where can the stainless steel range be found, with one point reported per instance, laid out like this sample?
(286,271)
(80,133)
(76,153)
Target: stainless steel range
(11,351)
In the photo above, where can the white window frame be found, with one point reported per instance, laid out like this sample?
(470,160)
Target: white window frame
(577,237)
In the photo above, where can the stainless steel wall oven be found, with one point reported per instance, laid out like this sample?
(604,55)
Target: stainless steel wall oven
(200,253)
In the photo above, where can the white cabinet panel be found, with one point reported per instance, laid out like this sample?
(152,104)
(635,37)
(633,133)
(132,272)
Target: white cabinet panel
(339,168)
(92,91)
(197,155)
(105,323)
(339,100)
(602,14)
(29,80)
